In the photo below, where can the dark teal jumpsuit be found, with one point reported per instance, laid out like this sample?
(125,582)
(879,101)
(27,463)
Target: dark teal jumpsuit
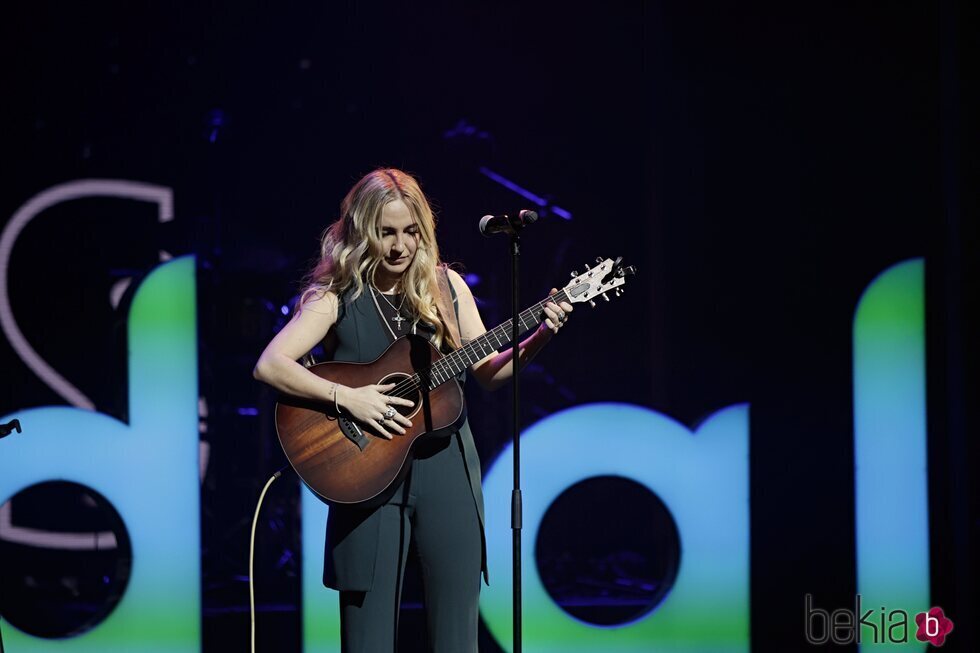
(439,505)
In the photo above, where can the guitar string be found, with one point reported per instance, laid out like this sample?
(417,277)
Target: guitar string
(412,383)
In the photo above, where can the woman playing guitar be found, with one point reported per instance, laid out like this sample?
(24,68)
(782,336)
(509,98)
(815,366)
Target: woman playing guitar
(378,279)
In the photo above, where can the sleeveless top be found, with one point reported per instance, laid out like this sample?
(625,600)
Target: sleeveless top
(360,336)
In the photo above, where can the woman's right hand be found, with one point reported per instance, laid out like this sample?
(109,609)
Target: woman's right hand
(368,405)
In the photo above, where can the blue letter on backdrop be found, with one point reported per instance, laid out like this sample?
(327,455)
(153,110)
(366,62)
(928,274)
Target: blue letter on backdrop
(702,478)
(147,469)
(891,505)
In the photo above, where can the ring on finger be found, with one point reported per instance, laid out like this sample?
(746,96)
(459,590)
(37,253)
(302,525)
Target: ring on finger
(561,315)
(390,412)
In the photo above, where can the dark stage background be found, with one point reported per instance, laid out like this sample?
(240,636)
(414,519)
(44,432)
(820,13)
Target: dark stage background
(759,163)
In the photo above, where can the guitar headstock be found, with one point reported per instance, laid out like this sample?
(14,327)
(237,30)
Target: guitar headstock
(608,275)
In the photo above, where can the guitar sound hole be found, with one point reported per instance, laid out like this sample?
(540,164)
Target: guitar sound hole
(405,389)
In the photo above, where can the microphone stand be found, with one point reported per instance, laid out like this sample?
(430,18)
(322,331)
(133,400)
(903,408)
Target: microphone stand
(516,508)
(512,225)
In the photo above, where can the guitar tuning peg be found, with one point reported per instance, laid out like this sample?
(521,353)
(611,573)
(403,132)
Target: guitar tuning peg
(598,259)
(604,296)
(592,303)
(618,292)
(574,273)
(586,266)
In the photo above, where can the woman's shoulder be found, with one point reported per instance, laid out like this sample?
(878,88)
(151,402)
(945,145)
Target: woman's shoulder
(318,300)
(457,281)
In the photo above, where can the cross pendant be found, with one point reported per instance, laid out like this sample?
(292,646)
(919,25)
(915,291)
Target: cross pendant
(398,319)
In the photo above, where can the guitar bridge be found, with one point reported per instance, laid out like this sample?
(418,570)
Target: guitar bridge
(353,432)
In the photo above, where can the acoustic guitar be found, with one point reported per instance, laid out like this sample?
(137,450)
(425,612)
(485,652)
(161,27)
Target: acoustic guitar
(348,462)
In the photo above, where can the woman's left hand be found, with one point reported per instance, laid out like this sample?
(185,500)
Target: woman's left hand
(556,316)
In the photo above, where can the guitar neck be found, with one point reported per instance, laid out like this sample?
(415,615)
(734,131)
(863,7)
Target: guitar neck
(450,365)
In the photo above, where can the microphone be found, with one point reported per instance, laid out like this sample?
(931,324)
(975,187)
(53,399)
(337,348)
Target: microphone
(505,224)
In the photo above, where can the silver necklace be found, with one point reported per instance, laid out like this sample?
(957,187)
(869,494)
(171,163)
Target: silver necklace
(398,319)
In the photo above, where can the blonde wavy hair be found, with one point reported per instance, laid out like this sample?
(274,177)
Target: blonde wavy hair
(351,250)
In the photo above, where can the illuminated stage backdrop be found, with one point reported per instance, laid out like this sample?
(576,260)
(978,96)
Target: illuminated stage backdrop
(321,608)
(147,469)
(890,453)
(702,478)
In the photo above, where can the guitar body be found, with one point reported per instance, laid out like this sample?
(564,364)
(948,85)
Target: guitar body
(346,462)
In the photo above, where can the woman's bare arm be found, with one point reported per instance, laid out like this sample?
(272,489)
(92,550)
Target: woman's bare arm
(277,366)
(496,369)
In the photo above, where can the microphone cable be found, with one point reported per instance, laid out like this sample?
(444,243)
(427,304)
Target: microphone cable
(251,556)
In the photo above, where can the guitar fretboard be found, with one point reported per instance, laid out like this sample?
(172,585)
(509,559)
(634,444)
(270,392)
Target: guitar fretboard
(450,365)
